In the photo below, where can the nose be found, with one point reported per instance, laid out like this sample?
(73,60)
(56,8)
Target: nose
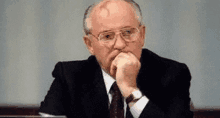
(120,42)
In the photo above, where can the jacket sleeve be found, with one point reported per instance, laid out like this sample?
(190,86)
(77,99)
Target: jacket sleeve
(179,103)
(175,100)
(56,100)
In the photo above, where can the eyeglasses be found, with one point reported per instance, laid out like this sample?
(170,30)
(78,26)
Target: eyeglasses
(128,34)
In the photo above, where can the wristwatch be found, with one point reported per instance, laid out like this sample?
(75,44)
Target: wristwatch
(134,96)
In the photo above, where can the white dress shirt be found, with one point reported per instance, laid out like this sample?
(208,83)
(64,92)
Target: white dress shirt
(136,109)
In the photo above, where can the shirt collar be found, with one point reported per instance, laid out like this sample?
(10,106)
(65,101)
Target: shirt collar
(108,80)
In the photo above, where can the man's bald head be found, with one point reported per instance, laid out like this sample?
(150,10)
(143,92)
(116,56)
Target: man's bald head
(104,9)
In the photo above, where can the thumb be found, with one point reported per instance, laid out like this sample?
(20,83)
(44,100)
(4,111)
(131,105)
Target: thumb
(113,69)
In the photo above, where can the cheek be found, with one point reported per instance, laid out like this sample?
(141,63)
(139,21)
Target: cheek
(100,53)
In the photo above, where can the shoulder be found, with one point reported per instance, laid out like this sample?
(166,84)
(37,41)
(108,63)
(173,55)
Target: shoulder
(151,56)
(73,69)
(163,70)
(162,74)
(77,64)
(155,61)
(165,78)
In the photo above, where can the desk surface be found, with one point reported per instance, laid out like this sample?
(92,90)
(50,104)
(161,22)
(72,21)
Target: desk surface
(23,112)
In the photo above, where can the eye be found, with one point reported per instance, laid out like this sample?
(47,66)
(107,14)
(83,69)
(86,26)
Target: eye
(127,31)
(107,36)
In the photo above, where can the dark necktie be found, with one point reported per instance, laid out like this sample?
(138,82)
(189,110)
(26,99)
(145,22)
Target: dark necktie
(117,104)
(128,113)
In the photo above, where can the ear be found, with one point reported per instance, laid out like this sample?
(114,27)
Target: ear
(142,33)
(88,43)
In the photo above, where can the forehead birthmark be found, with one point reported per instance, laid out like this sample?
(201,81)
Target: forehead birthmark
(107,9)
(111,15)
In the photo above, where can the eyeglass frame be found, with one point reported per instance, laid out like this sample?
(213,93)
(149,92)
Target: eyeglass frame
(98,38)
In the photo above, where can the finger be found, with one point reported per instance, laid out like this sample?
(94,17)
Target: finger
(112,55)
(113,70)
(114,64)
(118,61)
(113,67)
(133,56)
(110,58)
(122,55)
(118,58)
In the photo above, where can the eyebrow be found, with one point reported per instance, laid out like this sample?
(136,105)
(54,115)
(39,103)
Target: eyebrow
(113,30)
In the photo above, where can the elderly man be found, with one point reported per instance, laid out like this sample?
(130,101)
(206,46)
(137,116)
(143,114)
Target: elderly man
(120,79)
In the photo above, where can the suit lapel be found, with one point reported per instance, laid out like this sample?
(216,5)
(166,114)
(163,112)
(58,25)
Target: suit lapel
(96,100)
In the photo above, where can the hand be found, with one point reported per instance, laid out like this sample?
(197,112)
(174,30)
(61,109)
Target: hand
(124,69)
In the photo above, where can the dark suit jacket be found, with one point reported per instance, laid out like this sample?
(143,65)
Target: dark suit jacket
(79,90)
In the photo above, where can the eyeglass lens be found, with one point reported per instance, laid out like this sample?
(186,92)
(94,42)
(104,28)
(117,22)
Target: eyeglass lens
(128,34)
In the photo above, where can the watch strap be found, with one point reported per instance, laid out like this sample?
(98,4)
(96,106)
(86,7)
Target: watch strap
(129,98)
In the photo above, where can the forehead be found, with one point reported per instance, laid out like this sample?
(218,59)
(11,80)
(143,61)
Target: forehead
(113,15)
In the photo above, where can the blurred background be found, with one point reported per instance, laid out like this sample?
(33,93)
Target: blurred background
(36,34)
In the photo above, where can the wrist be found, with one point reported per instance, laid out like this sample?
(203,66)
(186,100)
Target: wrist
(126,90)
(134,96)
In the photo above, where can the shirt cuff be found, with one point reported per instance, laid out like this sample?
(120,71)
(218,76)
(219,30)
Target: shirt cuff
(138,107)
(49,115)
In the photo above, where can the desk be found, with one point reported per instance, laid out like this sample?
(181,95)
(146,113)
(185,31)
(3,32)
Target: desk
(23,111)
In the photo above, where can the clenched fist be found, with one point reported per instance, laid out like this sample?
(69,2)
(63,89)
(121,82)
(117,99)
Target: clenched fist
(124,69)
